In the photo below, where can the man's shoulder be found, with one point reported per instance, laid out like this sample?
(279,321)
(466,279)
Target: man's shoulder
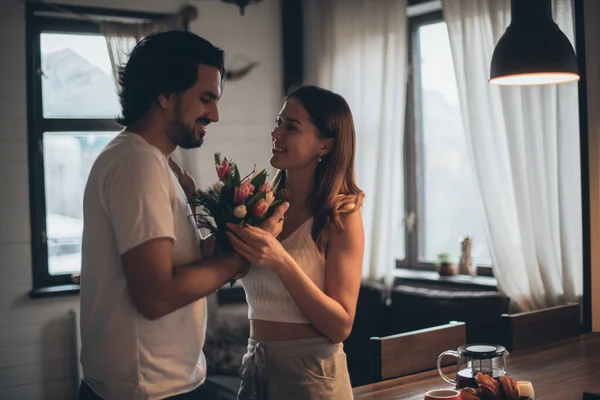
(126,153)
(122,165)
(128,146)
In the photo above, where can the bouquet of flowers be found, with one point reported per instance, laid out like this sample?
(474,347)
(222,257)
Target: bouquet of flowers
(247,200)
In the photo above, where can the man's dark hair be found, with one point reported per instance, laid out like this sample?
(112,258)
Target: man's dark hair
(162,63)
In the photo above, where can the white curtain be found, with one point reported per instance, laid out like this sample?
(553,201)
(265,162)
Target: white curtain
(121,38)
(524,145)
(358,48)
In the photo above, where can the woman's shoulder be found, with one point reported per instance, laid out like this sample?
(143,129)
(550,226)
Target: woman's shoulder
(348,203)
(349,213)
(351,235)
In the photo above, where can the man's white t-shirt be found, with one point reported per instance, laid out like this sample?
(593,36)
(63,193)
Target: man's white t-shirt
(132,196)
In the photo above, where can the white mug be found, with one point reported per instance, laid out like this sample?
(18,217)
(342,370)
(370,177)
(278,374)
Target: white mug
(526,389)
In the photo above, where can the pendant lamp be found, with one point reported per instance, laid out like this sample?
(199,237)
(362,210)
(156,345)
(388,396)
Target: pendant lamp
(242,4)
(533,50)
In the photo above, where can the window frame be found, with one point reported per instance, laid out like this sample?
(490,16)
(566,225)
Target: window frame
(413,157)
(44,18)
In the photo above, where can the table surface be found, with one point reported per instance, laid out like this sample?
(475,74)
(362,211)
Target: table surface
(559,371)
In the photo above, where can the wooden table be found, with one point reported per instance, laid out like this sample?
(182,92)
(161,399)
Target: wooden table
(561,371)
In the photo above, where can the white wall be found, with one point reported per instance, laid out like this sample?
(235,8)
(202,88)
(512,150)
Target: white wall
(248,107)
(36,358)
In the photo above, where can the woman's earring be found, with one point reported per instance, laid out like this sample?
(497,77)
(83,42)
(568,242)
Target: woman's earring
(320,157)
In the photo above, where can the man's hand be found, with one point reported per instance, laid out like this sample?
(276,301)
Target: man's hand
(274,224)
(187,182)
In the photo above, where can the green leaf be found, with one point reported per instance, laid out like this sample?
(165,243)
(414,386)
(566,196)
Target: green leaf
(230,181)
(252,200)
(236,176)
(217,158)
(247,176)
(227,191)
(259,179)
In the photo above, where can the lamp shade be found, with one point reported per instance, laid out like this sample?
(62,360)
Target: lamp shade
(242,4)
(533,50)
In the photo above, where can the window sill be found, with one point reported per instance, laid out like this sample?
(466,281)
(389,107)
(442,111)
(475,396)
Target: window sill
(431,279)
(53,291)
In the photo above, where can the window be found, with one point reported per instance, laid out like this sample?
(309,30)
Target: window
(72,105)
(442,203)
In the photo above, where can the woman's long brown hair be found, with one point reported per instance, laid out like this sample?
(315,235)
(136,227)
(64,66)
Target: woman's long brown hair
(336,191)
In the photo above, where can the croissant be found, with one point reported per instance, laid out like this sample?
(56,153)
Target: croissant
(509,388)
(490,388)
(468,393)
(505,388)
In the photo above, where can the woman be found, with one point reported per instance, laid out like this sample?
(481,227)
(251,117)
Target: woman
(303,286)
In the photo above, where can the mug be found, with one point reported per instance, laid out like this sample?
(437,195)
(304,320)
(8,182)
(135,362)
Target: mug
(525,390)
(446,394)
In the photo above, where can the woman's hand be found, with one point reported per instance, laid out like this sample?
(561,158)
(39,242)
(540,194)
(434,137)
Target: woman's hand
(257,246)
(274,224)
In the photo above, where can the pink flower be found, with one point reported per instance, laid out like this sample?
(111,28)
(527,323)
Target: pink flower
(264,188)
(223,170)
(241,193)
(260,209)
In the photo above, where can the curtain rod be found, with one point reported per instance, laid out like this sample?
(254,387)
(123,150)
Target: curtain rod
(423,8)
(189,13)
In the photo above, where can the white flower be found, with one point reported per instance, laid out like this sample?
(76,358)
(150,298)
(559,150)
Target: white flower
(240,211)
(218,186)
(269,197)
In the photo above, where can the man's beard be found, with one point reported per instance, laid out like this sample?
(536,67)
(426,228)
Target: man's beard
(184,136)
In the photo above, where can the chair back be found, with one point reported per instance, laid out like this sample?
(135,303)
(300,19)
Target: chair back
(534,328)
(416,351)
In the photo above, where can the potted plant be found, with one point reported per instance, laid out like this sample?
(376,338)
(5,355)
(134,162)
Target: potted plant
(444,265)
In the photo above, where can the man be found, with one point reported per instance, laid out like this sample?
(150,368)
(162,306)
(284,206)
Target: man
(143,307)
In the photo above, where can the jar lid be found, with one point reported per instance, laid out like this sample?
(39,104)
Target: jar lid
(481,351)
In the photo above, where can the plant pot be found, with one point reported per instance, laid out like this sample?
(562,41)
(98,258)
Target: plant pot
(446,269)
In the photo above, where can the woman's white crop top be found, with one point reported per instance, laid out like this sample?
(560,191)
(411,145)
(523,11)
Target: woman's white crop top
(267,297)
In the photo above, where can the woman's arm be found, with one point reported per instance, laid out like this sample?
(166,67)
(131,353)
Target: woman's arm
(330,311)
